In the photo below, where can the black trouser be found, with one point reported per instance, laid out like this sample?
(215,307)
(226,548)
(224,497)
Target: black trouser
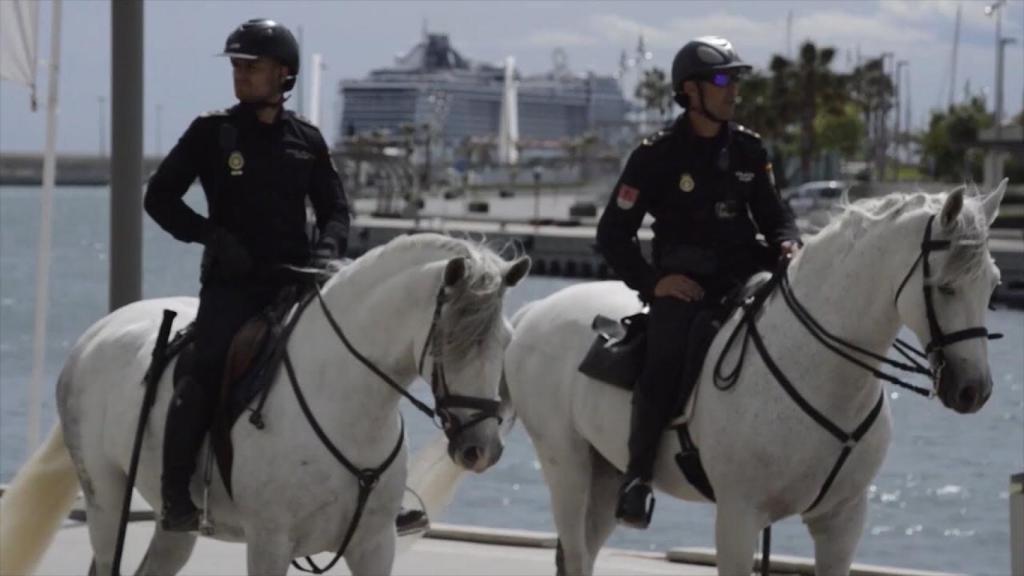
(659,394)
(223,309)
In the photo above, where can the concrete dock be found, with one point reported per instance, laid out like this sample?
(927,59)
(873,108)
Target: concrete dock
(447,549)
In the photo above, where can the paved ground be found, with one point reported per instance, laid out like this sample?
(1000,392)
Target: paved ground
(70,555)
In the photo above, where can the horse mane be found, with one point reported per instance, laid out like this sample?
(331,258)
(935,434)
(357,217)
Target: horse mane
(968,254)
(474,312)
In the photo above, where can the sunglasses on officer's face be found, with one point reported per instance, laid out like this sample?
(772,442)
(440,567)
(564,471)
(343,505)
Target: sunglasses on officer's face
(722,79)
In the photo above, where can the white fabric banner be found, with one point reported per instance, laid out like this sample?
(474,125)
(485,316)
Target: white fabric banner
(19,22)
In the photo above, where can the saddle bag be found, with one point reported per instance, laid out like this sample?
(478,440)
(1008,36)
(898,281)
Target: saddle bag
(617,354)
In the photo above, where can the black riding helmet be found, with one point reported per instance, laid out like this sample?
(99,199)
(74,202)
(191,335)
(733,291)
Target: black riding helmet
(262,37)
(704,56)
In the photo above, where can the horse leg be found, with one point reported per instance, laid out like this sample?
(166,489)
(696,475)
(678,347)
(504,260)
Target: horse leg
(374,556)
(103,499)
(167,553)
(567,473)
(736,530)
(836,534)
(604,487)
(267,553)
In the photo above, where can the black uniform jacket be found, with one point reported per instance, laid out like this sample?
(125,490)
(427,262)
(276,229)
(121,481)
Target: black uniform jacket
(709,198)
(256,177)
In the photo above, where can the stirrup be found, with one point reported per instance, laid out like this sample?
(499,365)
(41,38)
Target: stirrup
(411,521)
(635,494)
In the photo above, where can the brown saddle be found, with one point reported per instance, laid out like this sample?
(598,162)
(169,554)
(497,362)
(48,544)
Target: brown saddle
(253,359)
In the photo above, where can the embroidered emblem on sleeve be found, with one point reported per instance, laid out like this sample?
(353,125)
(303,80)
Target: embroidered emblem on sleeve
(626,196)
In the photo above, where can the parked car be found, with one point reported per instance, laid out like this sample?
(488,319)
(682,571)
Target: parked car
(812,196)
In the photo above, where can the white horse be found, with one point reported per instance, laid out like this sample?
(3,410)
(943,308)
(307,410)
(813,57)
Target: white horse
(765,456)
(292,498)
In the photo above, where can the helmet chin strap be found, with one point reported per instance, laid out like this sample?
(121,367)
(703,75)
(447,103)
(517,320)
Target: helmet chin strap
(704,109)
(264,104)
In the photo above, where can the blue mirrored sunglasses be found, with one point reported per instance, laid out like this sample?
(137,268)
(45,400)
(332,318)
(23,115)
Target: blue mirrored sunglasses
(723,79)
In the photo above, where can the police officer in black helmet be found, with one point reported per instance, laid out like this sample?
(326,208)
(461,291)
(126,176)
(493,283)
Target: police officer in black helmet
(708,184)
(257,163)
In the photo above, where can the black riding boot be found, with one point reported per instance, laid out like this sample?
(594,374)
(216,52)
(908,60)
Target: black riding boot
(187,423)
(636,500)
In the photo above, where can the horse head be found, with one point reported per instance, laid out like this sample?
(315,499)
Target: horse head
(944,295)
(467,344)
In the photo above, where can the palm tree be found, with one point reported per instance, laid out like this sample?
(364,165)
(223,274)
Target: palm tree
(655,91)
(872,90)
(812,86)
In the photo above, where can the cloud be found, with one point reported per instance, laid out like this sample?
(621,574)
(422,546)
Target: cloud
(972,14)
(559,39)
(836,27)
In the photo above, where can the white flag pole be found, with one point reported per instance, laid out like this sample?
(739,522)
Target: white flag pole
(45,233)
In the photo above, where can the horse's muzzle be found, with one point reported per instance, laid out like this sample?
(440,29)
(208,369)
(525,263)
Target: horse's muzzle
(964,394)
(475,451)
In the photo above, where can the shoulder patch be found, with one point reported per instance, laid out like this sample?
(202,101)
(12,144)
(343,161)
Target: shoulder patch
(656,137)
(741,129)
(213,113)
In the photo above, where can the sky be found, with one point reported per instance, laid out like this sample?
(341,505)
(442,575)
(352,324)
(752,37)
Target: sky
(184,78)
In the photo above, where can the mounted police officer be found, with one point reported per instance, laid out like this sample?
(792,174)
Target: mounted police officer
(257,163)
(701,179)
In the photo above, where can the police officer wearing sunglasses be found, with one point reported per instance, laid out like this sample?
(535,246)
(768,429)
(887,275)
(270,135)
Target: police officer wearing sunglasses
(258,163)
(709,186)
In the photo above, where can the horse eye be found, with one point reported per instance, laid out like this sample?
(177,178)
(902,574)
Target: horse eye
(946,290)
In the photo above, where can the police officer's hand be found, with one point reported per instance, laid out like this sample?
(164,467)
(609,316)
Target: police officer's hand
(324,252)
(789,248)
(225,256)
(678,286)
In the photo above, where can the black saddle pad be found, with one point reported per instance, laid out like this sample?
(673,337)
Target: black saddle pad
(616,356)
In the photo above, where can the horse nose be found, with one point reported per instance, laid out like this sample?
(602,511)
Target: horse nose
(967,397)
(470,455)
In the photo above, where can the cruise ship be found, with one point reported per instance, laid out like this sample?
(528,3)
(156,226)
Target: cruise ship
(435,85)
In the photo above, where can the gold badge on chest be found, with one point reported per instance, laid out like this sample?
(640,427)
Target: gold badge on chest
(236,162)
(686,183)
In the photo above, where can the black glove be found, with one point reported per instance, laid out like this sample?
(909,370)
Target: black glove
(225,257)
(324,252)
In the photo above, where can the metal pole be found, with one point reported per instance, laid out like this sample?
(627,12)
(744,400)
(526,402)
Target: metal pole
(102,124)
(896,120)
(999,73)
(159,113)
(126,92)
(1017,524)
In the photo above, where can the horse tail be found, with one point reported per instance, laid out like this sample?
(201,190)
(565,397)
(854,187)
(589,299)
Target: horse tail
(35,504)
(433,476)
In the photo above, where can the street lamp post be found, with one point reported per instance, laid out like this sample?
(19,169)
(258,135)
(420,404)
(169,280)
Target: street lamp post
(536,195)
(994,8)
(896,131)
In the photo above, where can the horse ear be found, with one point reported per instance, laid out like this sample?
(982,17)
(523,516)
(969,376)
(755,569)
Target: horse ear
(455,271)
(951,209)
(517,271)
(991,202)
